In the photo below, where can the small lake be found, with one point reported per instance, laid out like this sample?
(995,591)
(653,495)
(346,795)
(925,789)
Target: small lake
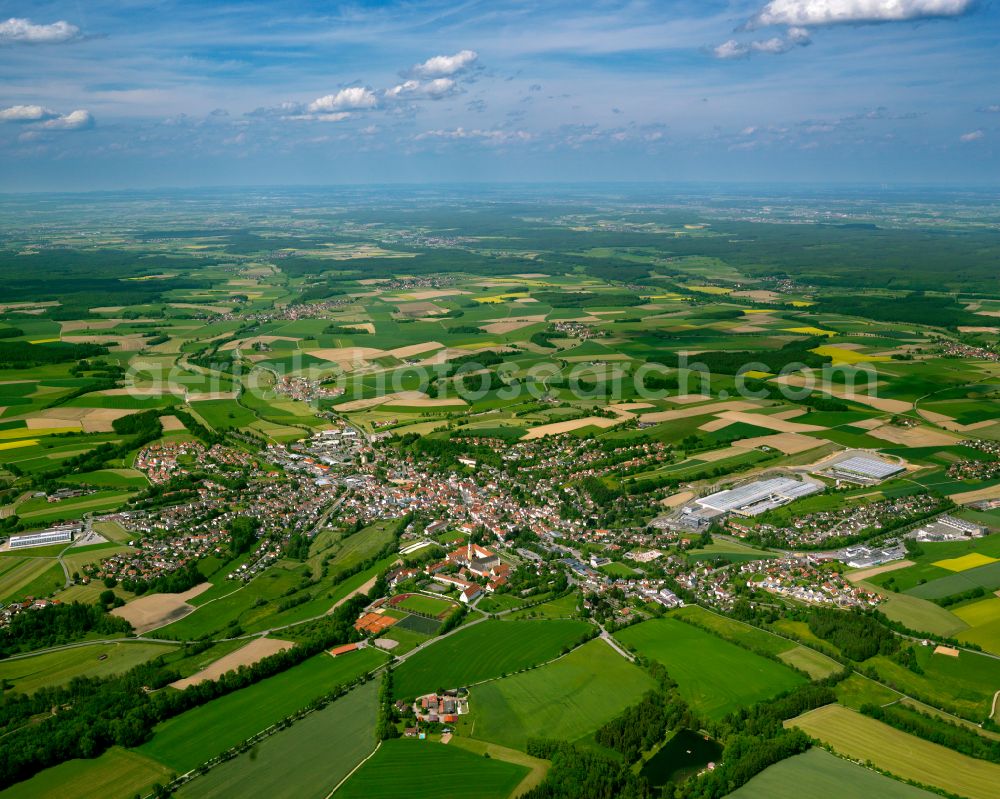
(684,755)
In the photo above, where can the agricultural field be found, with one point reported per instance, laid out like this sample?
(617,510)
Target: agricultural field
(28,674)
(567,699)
(903,755)
(703,665)
(819,773)
(348,373)
(485,651)
(185,741)
(117,774)
(390,773)
(307,760)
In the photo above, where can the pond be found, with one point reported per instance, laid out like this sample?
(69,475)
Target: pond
(684,755)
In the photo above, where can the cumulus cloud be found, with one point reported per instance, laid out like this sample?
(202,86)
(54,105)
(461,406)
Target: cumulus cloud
(355,98)
(441,66)
(971,136)
(775,45)
(18,29)
(415,89)
(75,120)
(26,113)
(46,118)
(812,13)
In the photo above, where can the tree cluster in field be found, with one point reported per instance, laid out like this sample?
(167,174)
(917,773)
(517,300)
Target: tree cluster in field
(579,773)
(731,362)
(857,635)
(175,582)
(23,355)
(89,715)
(587,299)
(55,625)
(914,308)
(643,725)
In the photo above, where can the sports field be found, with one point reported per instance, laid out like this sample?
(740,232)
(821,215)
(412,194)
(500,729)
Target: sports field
(715,676)
(904,755)
(818,773)
(117,774)
(485,651)
(416,769)
(427,605)
(568,699)
(190,739)
(306,760)
(58,668)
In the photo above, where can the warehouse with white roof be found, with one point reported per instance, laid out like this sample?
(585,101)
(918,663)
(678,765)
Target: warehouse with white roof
(759,496)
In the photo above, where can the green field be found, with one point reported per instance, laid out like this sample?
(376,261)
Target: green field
(191,738)
(429,770)
(818,773)
(565,607)
(920,614)
(815,664)
(117,774)
(306,760)
(58,668)
(485,651)
(568,699)
(735,631)
(964,685)
(906,756)
(986,577)
(715,676)
(858,690)
(427,605)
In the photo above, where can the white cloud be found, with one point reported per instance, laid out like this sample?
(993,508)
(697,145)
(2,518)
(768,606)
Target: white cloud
(833,12)
(441,66)
(732,49)
(486,136)
(990,109)
(352,99)
(75,120)
(974,135)
(18,29)
(432,89)
(775,45)
(26,113)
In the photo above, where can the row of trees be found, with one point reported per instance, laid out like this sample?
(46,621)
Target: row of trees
(935,729)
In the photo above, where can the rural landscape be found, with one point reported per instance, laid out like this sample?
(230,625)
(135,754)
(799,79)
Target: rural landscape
(655,497)
(419,399)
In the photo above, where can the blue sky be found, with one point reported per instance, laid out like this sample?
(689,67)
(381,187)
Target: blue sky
(134,94)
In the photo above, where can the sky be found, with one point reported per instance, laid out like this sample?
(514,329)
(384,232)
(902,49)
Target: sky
(134,94)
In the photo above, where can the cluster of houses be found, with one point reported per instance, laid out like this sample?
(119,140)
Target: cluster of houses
(8,613)
(806,580)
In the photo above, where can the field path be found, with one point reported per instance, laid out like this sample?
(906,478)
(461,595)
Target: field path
(351,773)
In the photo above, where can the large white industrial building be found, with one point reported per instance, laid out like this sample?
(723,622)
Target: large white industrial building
(54,535)
(759,496)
